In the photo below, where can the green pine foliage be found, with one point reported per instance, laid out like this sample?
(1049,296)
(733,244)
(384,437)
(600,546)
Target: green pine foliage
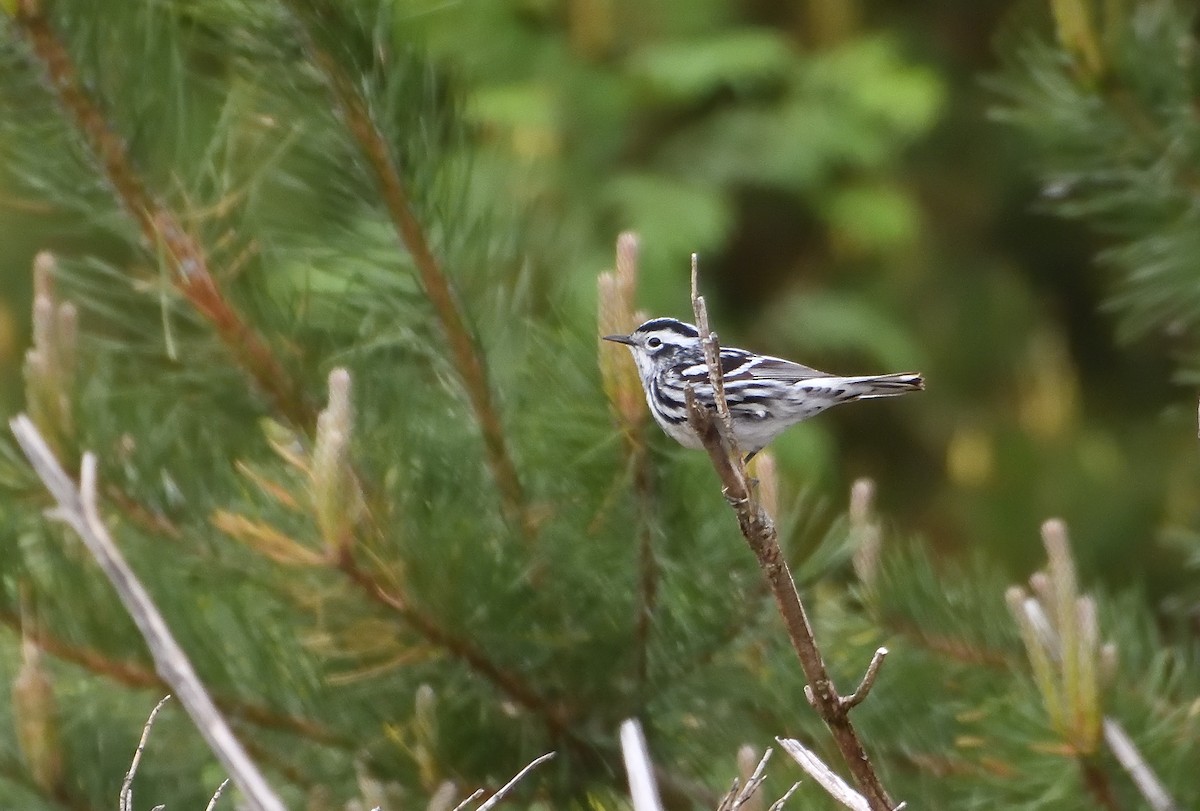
(375,604)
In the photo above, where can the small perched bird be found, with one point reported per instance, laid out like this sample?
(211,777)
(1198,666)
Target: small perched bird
(766,395)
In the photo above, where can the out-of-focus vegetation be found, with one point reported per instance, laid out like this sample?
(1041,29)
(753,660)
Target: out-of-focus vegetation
(997,194)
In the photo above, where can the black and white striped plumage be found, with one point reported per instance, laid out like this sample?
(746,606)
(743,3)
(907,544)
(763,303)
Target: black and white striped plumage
(766,395)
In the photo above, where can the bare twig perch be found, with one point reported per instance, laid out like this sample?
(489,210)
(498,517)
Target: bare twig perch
(758,528)
(77,507)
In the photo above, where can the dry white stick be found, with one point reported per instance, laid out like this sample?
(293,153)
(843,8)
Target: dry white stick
(126,795)
(746,796)
(475,795)
(834,786)
(642,788)
(217,795)
(78,508)
(787,795)
(507,787)
(1131,760)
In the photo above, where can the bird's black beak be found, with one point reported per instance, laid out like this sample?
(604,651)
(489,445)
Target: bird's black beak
(620,339)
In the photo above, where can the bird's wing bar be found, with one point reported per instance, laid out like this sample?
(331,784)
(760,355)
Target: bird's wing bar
(738,364)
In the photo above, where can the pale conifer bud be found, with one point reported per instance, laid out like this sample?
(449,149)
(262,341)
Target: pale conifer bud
(37,727)
(865,531)
(335,497)
(1025,612)
(616,316)
(1077,35)
(49,368)
(425,734)
(1061,633)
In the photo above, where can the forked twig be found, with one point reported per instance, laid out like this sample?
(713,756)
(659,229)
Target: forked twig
(126,795)
(740,795)
(78,508)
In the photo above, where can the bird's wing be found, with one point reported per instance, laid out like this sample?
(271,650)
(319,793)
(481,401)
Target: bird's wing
(738,364)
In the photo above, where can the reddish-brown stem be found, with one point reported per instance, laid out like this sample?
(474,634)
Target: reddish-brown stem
(714,428)
(507,682)
(446,306)
(161,230)
(140,677)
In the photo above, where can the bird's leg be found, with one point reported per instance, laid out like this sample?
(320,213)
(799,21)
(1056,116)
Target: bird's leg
(751,482)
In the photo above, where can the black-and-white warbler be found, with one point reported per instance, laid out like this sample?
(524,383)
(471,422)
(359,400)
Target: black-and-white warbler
(766,395)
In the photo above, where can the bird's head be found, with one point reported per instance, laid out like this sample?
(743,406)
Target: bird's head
(659,343)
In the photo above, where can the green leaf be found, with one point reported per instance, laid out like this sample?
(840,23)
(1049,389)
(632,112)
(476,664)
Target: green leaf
(740,60)
(875,217)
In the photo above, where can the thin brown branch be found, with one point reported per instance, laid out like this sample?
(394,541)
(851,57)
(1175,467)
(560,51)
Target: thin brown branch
(78,508)
(161,230)
(1098,785)
(758,528)
(136,676)
(446,305)
(507,682)
(15,772)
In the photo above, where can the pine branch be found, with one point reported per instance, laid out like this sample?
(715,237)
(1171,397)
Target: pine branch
(77,507)
(511,684)
(16,773)
(758,528)
(161,229)
(136,676)
(446,305)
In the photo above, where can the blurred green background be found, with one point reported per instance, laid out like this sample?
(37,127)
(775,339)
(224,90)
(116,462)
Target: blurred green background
(855,208)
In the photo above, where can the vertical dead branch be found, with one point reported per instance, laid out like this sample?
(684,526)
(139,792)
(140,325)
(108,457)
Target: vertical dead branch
(758,528)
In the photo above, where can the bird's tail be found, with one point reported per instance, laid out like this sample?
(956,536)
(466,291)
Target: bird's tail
(869,386)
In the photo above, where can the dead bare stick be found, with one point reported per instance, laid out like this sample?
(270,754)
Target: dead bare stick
(217,795)
(1127,754)
(126,795)
(834,786)
(475,795)
(758,528)
(744,795)
(77,507)
(507,787)
(787,795)
(642,788)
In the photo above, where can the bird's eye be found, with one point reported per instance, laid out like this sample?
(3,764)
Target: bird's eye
(654,343)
